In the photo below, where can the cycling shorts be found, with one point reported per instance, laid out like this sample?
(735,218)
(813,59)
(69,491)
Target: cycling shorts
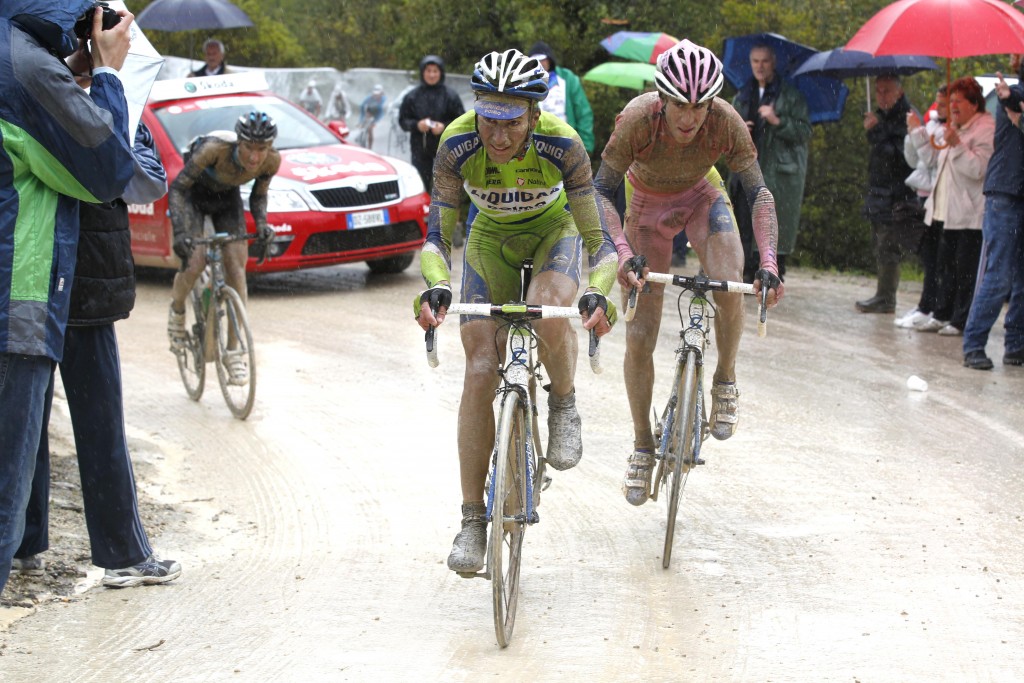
(494,254)
(654,219)
(225,209)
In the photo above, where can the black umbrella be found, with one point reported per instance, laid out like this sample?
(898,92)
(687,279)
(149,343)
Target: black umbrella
(840,63)
(189,15)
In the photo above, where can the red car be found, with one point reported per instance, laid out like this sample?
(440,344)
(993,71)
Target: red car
(330,202)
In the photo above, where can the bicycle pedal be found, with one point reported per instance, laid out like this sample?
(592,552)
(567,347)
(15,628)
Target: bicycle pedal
(545,483)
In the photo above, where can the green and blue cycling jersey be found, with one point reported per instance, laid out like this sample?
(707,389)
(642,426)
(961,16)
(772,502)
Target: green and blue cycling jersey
(541,206)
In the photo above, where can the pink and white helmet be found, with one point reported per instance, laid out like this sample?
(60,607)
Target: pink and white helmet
(689,73)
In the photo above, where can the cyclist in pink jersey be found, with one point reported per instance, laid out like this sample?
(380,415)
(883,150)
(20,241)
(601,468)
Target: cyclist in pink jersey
(663,144)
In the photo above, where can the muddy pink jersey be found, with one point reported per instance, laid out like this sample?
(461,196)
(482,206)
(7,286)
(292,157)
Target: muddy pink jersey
(642,144)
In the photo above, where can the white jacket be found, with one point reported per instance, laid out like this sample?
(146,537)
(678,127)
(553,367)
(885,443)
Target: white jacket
(922,156)
(966,164)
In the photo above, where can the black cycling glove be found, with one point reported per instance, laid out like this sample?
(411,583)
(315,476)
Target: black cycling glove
(183,248)
(768,279)
(591,301)
(439,296)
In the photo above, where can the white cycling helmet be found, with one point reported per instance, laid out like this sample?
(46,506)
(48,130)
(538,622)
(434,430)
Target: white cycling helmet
(501,80)
(689,73)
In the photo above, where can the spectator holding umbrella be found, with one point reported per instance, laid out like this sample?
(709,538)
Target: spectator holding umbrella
(776,116)
(890,205)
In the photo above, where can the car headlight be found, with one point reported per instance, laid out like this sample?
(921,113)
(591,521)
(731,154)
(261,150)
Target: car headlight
(279,201)
(409,180)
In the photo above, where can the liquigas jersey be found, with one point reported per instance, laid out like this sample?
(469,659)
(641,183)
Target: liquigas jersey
(552,177)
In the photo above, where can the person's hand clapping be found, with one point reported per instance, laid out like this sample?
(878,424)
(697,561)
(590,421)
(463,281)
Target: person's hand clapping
(913,120)
(110,48)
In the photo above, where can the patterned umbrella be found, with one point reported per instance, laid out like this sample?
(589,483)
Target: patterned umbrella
(638,46)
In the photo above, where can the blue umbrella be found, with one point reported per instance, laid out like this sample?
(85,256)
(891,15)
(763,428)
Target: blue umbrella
(825,97)
(840,63)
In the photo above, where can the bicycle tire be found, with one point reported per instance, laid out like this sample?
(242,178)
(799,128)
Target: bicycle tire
(232,324)
(191,359)
(508,516)
(681,447)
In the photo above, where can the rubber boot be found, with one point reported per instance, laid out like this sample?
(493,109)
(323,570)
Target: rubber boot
(884,300)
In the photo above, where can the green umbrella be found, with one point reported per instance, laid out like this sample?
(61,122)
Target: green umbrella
(634,75)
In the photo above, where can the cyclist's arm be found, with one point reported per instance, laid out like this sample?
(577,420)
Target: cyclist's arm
(260,188)
(764,218)
(203,156)
(589,219)
(446,199)
(606,183)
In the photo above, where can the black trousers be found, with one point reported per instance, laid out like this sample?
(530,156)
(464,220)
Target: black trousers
(91,373)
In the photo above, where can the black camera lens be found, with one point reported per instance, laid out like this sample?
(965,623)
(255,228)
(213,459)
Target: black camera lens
(83,27)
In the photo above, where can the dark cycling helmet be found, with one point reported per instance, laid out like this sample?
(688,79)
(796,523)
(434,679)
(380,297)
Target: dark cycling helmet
(512,73)
(256,126)
(689,73)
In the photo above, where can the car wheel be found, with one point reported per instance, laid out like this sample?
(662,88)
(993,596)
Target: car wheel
(391,265)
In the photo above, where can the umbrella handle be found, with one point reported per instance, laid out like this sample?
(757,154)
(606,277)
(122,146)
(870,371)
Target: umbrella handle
(937,145)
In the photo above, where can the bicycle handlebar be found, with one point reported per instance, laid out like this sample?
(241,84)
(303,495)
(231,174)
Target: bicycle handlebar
(702,284)
(513,312)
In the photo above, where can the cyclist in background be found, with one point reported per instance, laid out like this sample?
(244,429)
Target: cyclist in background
(208,185)
(523,171)
(370,112)
(664,143)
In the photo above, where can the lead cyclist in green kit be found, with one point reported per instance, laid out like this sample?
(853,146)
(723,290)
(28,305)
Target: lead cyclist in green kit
(523,171)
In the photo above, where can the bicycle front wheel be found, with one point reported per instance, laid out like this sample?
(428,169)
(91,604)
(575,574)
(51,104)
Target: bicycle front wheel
(508,516)
(681,448)
(236,357)
(191,358)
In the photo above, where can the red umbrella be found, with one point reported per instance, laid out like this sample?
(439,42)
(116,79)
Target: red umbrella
(942,28)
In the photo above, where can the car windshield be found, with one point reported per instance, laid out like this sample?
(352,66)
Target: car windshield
(186,120)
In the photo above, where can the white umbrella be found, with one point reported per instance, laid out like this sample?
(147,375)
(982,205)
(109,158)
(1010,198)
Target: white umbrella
(138,73)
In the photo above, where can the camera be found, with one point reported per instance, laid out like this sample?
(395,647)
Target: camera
(83,27)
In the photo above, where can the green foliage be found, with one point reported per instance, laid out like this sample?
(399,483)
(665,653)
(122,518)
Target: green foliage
(397,33)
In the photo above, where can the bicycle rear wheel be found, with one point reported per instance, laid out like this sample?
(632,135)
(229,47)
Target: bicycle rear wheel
(681,448)
(508,516)
(191,360)
(236,358)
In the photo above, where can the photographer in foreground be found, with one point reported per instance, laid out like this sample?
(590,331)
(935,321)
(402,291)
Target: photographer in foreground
(60,145)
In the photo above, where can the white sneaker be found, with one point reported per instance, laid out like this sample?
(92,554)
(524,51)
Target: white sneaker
(931,325)
(951,330)
(912,318)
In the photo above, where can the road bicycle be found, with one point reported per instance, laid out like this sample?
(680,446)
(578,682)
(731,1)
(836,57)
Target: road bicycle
(517,471)
(683,425)
(217,331)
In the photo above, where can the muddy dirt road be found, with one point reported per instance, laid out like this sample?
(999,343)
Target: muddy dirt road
(852,530)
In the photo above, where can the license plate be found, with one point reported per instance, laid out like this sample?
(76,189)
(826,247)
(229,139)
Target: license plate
(367,219)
